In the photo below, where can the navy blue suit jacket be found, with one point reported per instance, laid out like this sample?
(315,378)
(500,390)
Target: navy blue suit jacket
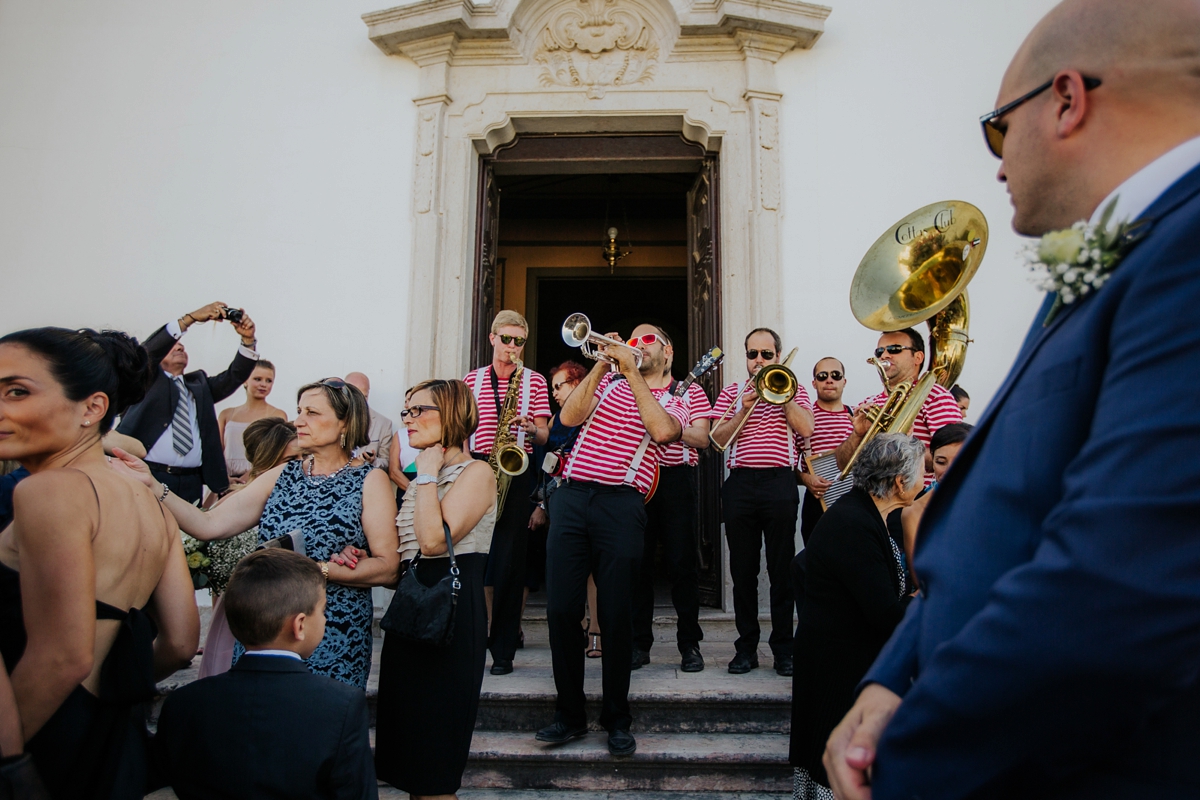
(1056,648)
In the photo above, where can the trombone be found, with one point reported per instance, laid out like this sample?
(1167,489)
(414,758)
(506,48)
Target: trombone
(774,383)
(577,332)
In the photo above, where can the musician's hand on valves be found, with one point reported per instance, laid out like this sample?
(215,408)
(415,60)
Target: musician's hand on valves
(862,422)
(429,461)
(626,360)
(526,424)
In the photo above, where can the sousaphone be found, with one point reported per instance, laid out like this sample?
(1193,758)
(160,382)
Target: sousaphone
(918,271)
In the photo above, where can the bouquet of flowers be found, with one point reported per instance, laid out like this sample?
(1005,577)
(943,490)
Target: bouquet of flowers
(197,560)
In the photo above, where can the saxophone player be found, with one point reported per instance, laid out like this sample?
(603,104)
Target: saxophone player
(504,582)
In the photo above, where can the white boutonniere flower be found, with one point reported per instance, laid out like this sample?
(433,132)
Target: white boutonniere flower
(1077,261)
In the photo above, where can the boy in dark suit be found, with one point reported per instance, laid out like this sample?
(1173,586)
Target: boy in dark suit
(269,728)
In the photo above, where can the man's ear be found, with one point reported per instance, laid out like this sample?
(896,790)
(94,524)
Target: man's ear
(298,632)
(1070,102)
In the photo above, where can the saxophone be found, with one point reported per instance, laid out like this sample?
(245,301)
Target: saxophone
(507,457)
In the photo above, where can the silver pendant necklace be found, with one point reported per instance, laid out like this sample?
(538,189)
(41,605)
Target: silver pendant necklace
(317,480)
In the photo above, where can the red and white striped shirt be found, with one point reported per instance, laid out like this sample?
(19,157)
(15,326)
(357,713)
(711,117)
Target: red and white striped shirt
(767,440)
(677,453)
(534,402)
(612,436)
(938,411)
(830,428)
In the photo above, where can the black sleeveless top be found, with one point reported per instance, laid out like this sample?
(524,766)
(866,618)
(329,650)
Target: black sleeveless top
(95,745)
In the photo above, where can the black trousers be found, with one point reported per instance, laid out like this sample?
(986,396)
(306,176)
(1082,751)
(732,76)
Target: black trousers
(596,530)
(506,568)
(187,487)
(757,506)
(810,514)
(671,519)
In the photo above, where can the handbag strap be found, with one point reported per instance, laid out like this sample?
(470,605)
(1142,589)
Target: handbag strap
(454,572)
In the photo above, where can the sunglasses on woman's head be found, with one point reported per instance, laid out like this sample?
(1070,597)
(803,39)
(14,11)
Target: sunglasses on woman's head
(837,376)
(892,349)
(753,354)
(416,411)
(519,341)
(337,383)
(646,339)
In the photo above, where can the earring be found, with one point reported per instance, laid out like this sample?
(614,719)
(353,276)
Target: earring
(87,422)
(343,441)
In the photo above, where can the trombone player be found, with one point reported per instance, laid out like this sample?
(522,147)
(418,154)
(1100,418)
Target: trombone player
(760,500)
(902,354)
(505,577)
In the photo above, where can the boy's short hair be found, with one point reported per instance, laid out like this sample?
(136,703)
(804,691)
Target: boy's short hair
(267,588)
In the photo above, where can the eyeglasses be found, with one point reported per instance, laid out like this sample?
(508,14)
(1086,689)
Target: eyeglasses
(337,383)
(416,411)
(892,349)
(558,386)
(837,376)
(646,339)
(519,341)
(753,354)
(993,134)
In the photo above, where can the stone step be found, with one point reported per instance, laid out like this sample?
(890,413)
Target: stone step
(389,793)
(664,762)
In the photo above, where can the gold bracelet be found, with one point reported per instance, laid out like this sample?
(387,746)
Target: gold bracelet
(324,565)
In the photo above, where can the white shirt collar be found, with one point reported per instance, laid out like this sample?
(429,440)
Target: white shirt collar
(284,653)
(1146,185)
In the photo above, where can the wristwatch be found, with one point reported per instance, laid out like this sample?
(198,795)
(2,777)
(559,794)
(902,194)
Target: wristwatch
(421,480)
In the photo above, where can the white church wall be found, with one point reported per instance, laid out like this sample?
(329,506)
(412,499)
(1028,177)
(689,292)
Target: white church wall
(155,156)
(879,118)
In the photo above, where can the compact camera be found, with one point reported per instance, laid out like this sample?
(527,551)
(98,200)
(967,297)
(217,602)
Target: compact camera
(234,315)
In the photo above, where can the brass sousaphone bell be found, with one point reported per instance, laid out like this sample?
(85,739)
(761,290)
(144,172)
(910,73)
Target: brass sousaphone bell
(918,271)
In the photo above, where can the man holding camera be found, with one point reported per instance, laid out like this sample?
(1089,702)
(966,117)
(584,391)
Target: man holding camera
(177,421)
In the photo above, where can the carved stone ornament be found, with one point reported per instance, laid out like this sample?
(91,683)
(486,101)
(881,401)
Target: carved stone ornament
(594,44)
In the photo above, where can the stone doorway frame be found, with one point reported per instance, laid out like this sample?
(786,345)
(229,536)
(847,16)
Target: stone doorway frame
(491,72)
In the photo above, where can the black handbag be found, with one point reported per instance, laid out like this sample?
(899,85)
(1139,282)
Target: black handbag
(423,613)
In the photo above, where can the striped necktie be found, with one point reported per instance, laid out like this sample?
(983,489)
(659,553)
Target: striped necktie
(181,425)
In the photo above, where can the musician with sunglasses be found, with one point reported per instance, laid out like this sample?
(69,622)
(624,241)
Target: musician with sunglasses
(903,354)
(597,521)
(760,501)
(504,582)
(832,424)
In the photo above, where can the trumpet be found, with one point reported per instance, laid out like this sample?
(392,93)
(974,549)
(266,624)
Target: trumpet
(774,383)
(577,332)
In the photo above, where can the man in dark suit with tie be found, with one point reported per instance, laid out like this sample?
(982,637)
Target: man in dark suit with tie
(269,728)
(177,421)
(1055,650)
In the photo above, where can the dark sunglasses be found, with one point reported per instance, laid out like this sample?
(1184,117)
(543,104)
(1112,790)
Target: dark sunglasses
(892,349)
(753,354)
(558,386)
(519,341)
(837,376)
(993,134)
(337,383)
(416,411)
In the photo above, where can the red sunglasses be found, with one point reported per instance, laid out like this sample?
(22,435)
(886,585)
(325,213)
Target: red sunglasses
(646,339)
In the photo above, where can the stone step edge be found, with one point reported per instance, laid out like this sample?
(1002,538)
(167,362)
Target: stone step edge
(709,750)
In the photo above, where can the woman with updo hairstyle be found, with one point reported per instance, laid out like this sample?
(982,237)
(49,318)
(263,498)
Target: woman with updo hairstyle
(331,501)
(429,695)
(89,567)
(855,592)
(270,441)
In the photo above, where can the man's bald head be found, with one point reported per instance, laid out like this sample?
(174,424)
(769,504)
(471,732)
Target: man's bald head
(360,382)
(1068,148)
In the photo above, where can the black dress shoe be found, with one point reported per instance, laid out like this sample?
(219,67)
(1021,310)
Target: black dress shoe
(783,666)
(640,658)
(559,733)
(692,661)
(501,667)
(743,663)
(621,743)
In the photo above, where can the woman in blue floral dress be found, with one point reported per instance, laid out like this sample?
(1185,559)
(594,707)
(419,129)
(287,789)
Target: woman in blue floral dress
(335,501)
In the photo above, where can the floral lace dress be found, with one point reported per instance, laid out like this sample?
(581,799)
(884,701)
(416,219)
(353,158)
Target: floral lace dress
(328,509)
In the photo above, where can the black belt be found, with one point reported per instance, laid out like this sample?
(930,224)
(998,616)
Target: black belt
(156,467)
(601,487)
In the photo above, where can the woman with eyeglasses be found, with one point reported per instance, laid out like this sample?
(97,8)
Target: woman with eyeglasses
(331,501)
(429,695)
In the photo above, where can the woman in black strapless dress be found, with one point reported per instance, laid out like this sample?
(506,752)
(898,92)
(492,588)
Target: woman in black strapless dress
(81,667)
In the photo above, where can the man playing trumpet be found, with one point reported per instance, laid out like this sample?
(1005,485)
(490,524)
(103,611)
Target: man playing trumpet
(760,500)
(902,354)
(597,522)
(505,575)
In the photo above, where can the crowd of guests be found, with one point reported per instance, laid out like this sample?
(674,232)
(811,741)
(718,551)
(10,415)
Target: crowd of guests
(303,517)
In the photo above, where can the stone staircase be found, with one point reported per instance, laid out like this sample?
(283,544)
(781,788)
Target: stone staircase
(700,735)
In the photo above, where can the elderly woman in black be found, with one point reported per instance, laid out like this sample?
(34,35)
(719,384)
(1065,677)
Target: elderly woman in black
(855,593)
